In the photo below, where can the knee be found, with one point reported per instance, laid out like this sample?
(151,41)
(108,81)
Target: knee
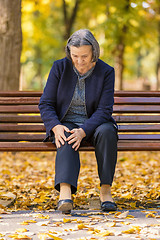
(106,131)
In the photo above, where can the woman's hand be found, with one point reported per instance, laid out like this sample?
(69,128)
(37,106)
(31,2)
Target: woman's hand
(60,137)
(77,134)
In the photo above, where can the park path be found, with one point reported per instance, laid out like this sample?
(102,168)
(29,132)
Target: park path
(81,224)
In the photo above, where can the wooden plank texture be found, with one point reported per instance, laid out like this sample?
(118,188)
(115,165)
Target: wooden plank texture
(21,128)
(137,118)
(122,146)
(116,108)
(117,93)
(9,127)
(137,114)
(15,118)
(117,100)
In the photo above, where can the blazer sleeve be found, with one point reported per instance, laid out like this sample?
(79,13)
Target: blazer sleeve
(47,104)
(104,110)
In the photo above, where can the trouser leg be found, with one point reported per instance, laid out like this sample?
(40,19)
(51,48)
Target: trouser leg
(105,142)
(67,164)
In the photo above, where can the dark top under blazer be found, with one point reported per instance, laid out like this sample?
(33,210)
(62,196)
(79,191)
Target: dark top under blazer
(59,89)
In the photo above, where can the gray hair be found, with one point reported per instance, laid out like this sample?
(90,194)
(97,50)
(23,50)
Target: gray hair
(80,38)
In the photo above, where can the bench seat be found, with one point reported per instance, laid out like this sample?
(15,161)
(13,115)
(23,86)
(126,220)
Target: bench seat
(136,113)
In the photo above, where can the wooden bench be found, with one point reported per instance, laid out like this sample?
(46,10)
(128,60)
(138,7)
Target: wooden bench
(137,114)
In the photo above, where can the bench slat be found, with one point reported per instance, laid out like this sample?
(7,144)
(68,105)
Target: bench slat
(139,136)
(136,109)
(13,137)
(117,93)
(137,118)
(40,128)
(137,100)
(19,109)
(139,128)
(117,100)
(22,128)
(14,118)
(19,100)
(116,108)
(122,146)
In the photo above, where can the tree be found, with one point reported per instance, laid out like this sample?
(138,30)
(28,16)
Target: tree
(127,33)
(69,21)
(10,44)
(46,27)
(157,10)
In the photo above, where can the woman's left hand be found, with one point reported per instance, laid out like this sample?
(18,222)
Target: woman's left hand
(77,134)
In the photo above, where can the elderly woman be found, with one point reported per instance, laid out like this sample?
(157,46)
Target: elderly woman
(77,105)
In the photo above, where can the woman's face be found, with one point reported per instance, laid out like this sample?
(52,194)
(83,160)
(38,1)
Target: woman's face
(82,58)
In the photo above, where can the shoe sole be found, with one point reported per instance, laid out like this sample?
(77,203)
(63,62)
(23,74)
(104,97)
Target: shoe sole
(66,207)
(109,210)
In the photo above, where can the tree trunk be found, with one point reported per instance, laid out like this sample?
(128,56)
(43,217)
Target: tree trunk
(69,21)
(119,66)
(119,52)
(158,63)
(10,44)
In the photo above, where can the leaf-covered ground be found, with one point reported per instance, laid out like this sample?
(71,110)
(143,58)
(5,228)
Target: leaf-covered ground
(30,176)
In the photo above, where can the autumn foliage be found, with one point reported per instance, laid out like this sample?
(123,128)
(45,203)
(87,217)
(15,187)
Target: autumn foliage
(30,177)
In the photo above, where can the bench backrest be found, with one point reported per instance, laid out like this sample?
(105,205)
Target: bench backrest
(137,114)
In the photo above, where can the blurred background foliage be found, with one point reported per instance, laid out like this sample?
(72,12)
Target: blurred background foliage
(128,33)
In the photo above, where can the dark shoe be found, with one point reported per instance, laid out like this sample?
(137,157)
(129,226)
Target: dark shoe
(65,206)
(108,206)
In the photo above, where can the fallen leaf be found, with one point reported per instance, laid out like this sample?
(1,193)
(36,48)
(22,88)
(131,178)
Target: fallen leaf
(121,215)
(111,224)
(21,230)
(81,226)
(54,237)
(150,215)
(19,236)
(105,234)
(132,230)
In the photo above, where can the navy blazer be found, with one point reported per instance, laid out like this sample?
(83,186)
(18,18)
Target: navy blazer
(59,89)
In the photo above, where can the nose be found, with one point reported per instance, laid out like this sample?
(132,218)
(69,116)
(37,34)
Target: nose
(80,60)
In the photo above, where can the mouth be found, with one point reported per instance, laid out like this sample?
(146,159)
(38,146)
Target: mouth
(81,65)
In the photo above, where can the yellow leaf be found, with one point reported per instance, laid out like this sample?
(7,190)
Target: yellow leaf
(53,237)
(105,234)
(42,236)
(41,216)
(134,23)
(112,9)
(111,224)
(129,216)
(21,230)
(125,223)
(24,223)
(132,230)
(52,232)
(19,236)
(81,226)
(150,215)
(133,204)
(31,221)
(79,221)
(66,220)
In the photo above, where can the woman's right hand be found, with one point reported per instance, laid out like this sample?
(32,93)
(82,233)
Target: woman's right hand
(60,137)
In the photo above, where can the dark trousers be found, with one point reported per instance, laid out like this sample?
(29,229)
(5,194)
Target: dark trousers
(67,164)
